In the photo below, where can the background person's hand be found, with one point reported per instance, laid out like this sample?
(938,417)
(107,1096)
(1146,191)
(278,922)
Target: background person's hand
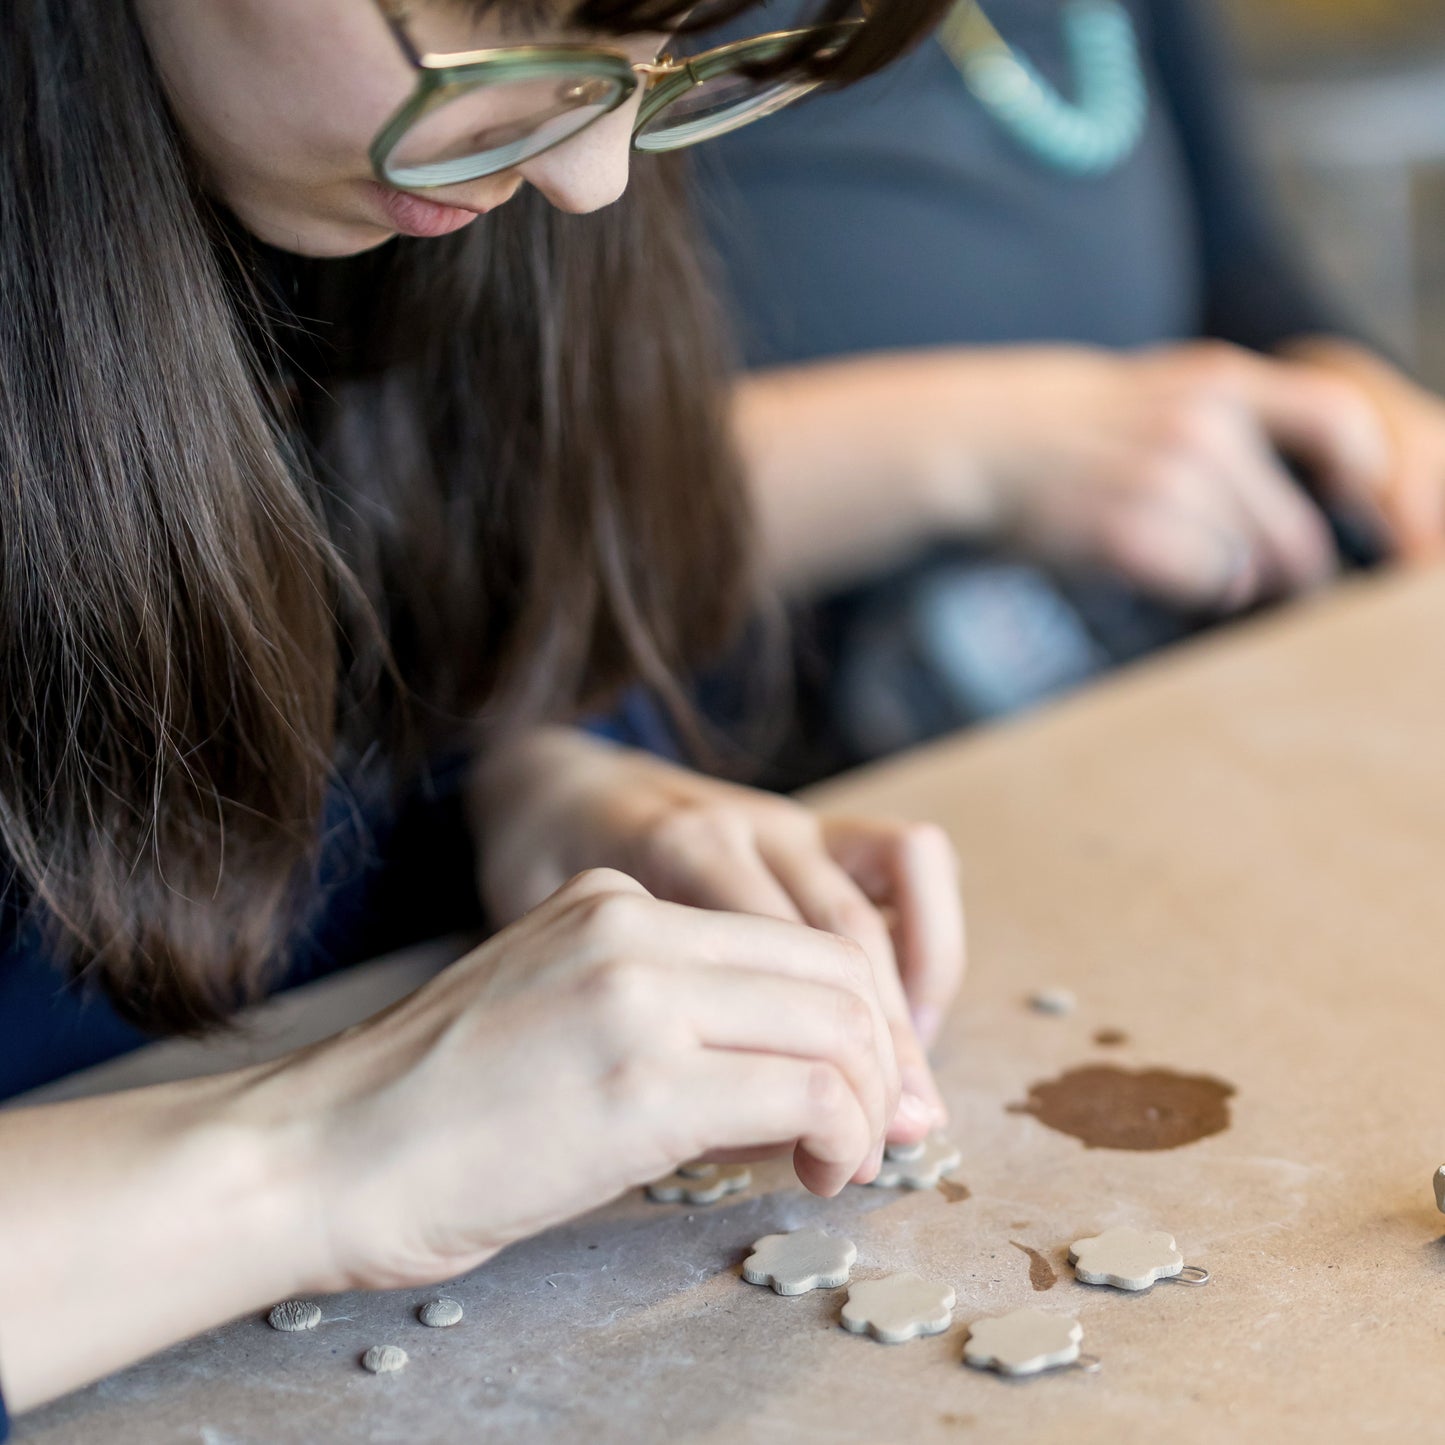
(559,801)
(1167,466)
(1409,496)
(597,1043)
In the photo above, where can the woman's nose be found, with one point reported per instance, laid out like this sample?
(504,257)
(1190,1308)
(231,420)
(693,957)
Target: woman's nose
(588,171)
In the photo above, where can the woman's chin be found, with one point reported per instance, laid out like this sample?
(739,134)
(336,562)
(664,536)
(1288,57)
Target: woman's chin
(317,236)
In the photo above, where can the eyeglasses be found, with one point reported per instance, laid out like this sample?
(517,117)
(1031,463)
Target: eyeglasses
(478,112)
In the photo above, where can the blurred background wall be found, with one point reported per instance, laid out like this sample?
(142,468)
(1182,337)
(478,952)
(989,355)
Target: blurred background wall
(1351,100)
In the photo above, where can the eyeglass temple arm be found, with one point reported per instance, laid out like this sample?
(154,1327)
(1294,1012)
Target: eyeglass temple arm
(394,12)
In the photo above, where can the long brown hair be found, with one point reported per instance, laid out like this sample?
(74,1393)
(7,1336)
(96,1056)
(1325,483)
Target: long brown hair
(258,513)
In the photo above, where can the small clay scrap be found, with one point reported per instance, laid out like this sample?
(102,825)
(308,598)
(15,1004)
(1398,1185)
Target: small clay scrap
(706,1185)
(1025,1342)
(898,1308)
(1130,1259)
(440,1314)
(384,1359)
(1440,1189)
(801,1260)
(294,1315)
(923,1171)
(1057,1001)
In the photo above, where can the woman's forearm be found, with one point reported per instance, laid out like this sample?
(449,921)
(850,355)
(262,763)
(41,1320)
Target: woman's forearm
(132,1221)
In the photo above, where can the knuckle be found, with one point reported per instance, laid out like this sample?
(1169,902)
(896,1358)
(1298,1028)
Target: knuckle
(855,1023)
(1189,424)
(827,1092)
(612,918)
(639,1088)
(709,827)
(623,995)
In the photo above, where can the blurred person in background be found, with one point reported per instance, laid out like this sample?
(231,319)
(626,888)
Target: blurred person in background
(1038,382)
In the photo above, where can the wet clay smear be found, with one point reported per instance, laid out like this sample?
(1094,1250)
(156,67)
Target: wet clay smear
(1111,1038)
(1106,1107)
(1042,1274)
(953,1191)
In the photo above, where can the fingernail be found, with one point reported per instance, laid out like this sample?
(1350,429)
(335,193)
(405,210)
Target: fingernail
(926,1022)
(923,1091)
(914,1112)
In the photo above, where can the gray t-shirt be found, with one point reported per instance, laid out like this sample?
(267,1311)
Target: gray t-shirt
(900,213)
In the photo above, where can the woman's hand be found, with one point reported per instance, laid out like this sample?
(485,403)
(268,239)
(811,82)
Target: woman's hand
(597,1043)
(557,801)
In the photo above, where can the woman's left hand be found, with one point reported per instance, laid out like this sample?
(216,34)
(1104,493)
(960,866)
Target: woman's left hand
(557,801)
(1408,501)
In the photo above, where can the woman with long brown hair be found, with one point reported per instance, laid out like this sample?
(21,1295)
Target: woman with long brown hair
(309,479)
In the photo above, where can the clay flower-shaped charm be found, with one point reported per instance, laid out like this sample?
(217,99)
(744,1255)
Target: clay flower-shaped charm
(799,1261)
(1023,1343)
(1440,1189)
(700,1184)
(898,1308)
(923,1167)
(1126,1258)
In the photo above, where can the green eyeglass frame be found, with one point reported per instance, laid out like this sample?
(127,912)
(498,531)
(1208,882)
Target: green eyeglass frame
(441,79)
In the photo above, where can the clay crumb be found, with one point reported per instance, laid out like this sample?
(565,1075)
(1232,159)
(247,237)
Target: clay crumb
(384,1359)
(1055,1001)
(294,1315)
(440,1313)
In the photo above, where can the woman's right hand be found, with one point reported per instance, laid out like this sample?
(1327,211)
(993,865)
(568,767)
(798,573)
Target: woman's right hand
(594,1045)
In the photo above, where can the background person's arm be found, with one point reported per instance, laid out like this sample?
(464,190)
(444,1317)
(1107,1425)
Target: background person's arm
(1161,465)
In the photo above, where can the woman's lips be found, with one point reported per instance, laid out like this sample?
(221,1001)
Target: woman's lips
(413,216)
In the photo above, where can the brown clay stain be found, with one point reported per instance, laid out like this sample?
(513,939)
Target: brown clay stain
(958,1419)
(1111,1038)
(1107,1107)
(1042,1274)
(953,1191)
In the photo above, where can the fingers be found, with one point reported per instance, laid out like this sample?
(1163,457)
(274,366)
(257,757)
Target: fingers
(798,1018)
(1180,552)
(1321,419)
(1293,548)
(735,1099)
(829,899)
(1413,506)
(912,870)
(707,857)
(1209,516)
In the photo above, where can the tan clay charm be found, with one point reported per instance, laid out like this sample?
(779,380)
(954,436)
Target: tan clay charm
(1131,1259)
(923,1171)
(801,1260)
(705,1185)
(294,1315)
(1025,1342)
(898,1308)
